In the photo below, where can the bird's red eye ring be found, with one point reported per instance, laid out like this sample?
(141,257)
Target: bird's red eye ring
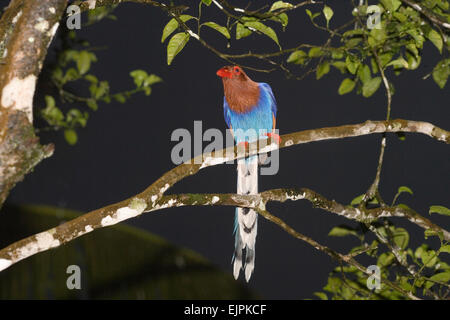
(237,70)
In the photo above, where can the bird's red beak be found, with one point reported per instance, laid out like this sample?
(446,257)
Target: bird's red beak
(224,73)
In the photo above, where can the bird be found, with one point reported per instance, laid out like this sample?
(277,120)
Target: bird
(250,111)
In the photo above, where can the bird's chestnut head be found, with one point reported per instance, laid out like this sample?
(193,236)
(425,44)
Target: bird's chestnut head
(230,72)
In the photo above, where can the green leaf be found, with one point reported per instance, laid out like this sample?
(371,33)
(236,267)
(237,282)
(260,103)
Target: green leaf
(340,65)
(374,65)
(328,13)
(385,58)
(413,61)
(435,38)
(429,258)
(138,76)
(322,70)
(119,97)
(371,86)
(57,74)
(356,201)
(102,89)
(342,231)
(440,209)
(151,79)
(147,91)
(71,136)
(315,52)
(52,114)
(398,63)
(411,47)
(207,2)
(444,5)
(50,101)
(83,62)
(364,73)
(100,13)
(280,5)
(74,117)
(71,74)
(441,72)
(444,266)
(443,277)
(385,259)
(377,36)
(91,103)
(402,188)
(91,78)
(297,57)
(176,44)
(445,248)
(68,55)
(420,250)
(352,43)
(401,237)
(312,15)
(218,28)
(400,17)
(352,64)
(391,5)
(405,189)
(418,38)
(282,18)
(403,206)
(346,86)
(242,32)
(321,295)
(401,136)
(352,33)
(337,53)
(432,233)
(268,31)
(172,25)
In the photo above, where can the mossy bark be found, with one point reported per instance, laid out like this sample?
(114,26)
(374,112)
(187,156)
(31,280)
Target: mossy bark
(26,30)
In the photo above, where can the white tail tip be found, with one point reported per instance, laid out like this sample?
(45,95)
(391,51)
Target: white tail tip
(237,265)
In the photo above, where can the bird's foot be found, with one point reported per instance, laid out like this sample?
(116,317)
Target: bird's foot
(274,136)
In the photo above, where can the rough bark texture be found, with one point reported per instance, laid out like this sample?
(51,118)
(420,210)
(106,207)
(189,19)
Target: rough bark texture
(153,198)
(26,30)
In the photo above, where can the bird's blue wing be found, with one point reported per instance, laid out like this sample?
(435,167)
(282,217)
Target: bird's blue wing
(266,87)
(226,112)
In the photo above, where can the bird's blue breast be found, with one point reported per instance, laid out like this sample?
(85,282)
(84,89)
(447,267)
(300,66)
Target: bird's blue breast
(253,124)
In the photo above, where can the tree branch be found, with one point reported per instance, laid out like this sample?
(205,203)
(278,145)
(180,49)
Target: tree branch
(153,197)
(433,18)
(373,189)
(257,202)
(26,30)
(333,254)
(93,4)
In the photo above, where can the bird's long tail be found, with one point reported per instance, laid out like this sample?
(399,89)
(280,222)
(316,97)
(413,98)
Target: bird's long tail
(245,225)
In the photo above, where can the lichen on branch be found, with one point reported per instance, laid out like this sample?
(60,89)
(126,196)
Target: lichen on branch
(153,198)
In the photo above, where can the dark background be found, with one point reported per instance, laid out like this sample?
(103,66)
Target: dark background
(125,148)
